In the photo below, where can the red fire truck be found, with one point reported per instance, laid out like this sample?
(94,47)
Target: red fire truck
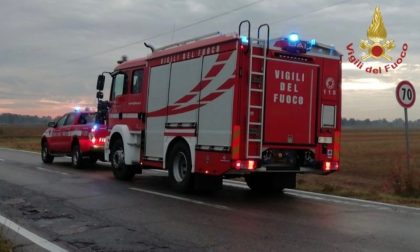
(224,106)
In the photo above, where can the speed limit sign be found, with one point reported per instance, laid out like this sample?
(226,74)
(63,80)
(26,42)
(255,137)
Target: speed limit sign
(406,95)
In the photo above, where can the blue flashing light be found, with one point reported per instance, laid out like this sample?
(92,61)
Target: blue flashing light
(94,128)
(293,37)
(244,39)
(312,42)
(76,109)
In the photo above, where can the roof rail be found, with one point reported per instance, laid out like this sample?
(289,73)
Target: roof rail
(188,41)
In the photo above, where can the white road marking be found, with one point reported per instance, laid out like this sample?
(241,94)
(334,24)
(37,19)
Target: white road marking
(52,171)
(160,171)
(43,243)
(322,197)
(330,198)
(181,198)
(10,149)
(234,183)
(349,201)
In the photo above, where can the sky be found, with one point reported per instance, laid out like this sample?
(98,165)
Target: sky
(51,51)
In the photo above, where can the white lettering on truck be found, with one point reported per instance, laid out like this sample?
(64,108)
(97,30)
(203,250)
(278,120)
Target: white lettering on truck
(289,87)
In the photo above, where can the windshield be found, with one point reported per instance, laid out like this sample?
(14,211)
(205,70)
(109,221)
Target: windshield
(87,118)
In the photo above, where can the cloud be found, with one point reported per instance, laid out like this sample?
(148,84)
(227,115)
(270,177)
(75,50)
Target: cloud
(366,84)
(7,102)
(45,43)
(49,101)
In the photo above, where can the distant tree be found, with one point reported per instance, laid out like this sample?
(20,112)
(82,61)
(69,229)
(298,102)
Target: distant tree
(15,119)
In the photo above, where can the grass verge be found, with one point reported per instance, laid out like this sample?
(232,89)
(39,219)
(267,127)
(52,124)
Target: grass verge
(5,245)
(21,137)
(373,167)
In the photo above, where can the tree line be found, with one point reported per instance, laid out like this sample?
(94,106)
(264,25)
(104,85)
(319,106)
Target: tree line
(16,119)
(380,123)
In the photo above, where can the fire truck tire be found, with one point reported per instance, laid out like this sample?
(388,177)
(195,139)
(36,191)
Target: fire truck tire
(45,153)
(179,167)
(120,170)
(76,156)
(270,182)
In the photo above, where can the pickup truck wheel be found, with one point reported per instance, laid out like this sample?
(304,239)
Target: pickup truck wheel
(179,167)
(76,157)
(45,153)
(119,168)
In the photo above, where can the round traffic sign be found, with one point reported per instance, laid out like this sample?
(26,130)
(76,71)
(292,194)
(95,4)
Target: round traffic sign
(406,95)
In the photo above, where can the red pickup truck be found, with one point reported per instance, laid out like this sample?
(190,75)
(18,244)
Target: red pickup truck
(77,135)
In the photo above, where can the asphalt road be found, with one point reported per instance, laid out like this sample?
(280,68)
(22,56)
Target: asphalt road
(88,210)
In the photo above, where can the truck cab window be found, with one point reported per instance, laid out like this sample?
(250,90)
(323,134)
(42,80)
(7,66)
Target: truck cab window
(119,85)
(137,81)
(70,119)
(61,121)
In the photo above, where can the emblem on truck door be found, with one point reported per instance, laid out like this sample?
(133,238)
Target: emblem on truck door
(330,83)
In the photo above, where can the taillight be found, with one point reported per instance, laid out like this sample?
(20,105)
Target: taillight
(330,166)
(327,166)
(92,138)
(245,164)
(238,165)
(251,165)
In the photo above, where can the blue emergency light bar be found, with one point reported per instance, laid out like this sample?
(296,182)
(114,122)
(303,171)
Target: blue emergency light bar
(293,44)
(244,39)
(293,37)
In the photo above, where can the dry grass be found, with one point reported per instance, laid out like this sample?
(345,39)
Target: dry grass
(5,246)
(373,167)
(372,164)
(21,137)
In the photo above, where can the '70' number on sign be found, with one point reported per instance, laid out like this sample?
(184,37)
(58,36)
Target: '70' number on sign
(406,94)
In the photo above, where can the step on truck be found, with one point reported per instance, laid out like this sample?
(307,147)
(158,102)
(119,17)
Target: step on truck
(223,106)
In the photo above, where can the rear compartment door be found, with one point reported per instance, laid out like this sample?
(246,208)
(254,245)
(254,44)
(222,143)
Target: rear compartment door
(290,102)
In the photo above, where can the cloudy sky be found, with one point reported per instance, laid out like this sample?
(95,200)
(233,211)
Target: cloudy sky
(51,51)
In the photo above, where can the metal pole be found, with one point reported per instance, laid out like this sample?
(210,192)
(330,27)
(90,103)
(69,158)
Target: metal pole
(406,139)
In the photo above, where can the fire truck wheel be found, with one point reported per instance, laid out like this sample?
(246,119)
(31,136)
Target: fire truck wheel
(119,168)
(179,167)
(76,157)
(45,153)
(265,182)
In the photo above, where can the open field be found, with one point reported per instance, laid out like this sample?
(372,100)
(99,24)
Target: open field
(21,137)
(371,164)
(371,161)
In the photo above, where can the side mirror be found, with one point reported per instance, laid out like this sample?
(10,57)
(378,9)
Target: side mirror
(51,124)
(99,95)
(100,83)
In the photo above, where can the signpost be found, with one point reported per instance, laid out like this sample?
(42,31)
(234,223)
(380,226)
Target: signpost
(406,96)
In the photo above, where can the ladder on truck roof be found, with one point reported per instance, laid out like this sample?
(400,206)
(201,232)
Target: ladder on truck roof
(258,49)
